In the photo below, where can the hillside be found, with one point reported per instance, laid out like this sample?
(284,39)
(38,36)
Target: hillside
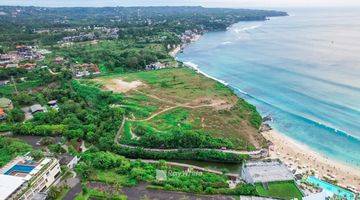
(178,108)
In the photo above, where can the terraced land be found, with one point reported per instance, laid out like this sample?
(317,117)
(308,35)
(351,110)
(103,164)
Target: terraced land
(163,105)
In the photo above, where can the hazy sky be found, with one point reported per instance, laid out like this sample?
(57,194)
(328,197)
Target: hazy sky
(207,3)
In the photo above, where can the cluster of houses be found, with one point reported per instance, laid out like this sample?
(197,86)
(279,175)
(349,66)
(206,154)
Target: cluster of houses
(190,36)
(22,54)
(155,66)
(6,105)
(97,33)
(79,38)
(85,69)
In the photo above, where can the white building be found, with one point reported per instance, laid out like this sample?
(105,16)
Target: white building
(264,171)
(24,178)
(9,185)
(69,160)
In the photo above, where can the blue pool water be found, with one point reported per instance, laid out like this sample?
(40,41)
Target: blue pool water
(20,168)
(303,70)
(331,188)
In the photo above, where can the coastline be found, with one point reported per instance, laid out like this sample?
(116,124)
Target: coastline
(180,47)
(299,156)
(294,154)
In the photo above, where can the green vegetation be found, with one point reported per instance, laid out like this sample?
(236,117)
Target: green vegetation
(122,55)
(57,193)
(47,26)
(173,108)
(115,171)
(97,194)
(201,155)
(10,148)
(202,113)
(282,190)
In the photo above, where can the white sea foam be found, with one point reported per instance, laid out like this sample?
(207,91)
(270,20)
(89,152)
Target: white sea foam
(196,68)
(246,28)
(225,43)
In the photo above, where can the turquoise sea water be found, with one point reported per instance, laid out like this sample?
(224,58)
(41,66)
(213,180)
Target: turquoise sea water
(303,69)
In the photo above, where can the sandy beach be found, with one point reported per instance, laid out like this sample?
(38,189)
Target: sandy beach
(175,51)
(178,48)
(298,155)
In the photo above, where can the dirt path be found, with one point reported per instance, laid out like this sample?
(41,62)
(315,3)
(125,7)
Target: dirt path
(154,115)
(253,154)
(118,134)
(133,135)
(53,73)
(186,105)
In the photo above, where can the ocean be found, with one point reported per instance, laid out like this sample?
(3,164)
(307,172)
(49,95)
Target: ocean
(303,70)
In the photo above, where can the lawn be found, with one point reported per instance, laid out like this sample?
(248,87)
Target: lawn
(282,190)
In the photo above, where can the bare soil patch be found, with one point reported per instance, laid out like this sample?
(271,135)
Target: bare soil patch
(119,85)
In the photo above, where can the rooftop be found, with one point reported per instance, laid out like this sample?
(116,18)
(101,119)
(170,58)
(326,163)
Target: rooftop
(66,159)
(267,171)
(36,107)
(4,102)
(8,184)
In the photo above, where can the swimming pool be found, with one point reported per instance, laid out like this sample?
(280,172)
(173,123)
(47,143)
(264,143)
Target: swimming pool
(331,188)
(20,168)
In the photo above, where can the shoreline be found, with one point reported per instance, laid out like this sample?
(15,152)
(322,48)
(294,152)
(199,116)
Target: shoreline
(182,46)
(293,153)
(301,157)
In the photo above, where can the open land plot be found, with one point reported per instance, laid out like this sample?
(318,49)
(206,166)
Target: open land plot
(180,97)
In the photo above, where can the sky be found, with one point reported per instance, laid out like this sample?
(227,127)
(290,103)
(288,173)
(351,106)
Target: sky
(205,3)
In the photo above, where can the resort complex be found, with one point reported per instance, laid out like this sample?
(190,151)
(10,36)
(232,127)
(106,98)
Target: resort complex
(25,178)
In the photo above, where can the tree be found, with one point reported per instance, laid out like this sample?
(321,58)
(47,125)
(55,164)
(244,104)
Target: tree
(53,193)
(24,98)
(15,115)
(84,170)
(57,148)
(37,154)
(45,141)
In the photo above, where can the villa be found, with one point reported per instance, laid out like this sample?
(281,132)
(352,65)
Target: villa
(23,178)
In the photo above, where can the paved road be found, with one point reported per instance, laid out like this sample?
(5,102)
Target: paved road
(73,192)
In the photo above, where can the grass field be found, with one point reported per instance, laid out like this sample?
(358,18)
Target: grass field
(180,97)
(282,190)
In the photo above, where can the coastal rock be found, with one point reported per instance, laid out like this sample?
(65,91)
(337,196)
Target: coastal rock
(265,127)
(267,118)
